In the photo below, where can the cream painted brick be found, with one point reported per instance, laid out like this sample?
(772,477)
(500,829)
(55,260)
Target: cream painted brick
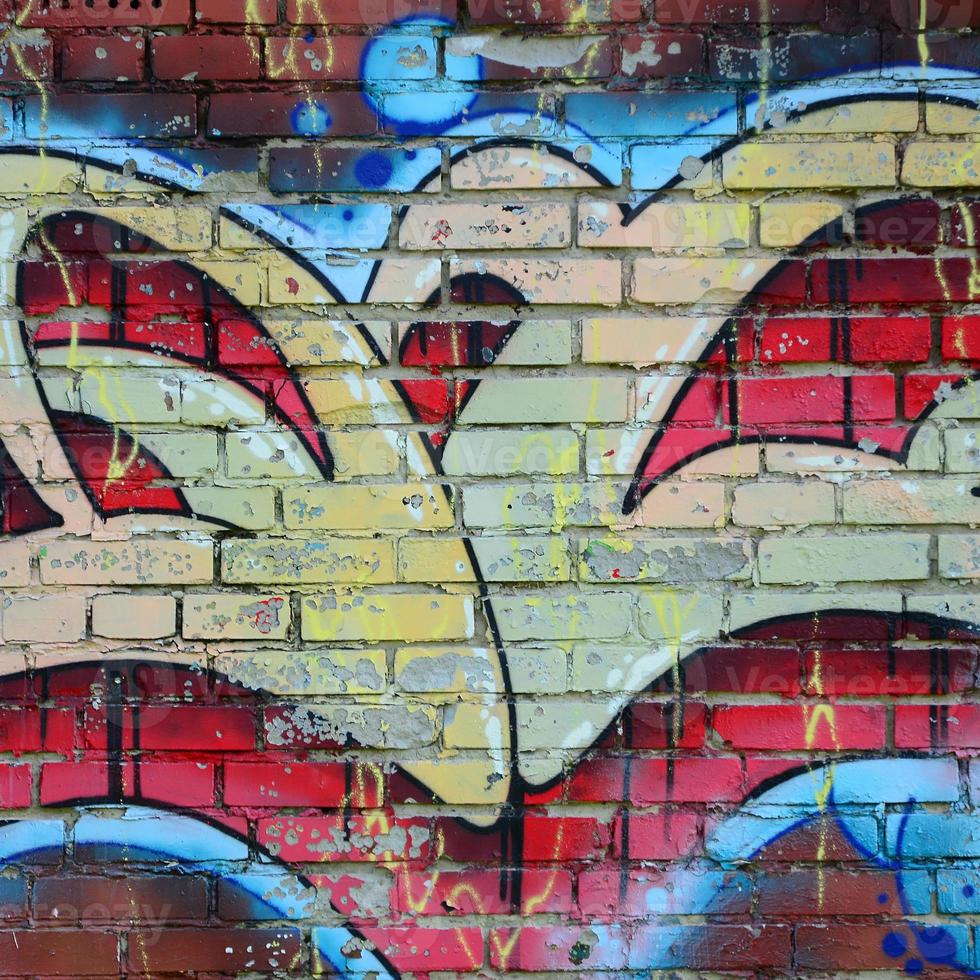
(668,280)
(182,229)
(364,453)
(690,503)
(235,616)
(962,450)
(588,281)
(784,224)
(945,117)
(537,670)
(15,563)
(383,507)
(594,615)
(768,504)
(243,281)
(547,401)
(277,454)
(184,454)
(958,606)
(959,402)
(355,401)
(128,398)
(773,166)
(402,281)
(647,340)
(377,726)
(49,618)
(749,609)
(946,163)
(511,452)
(289,560)
(501,559)
(204,402)
(521,168)
(603,668)
(555,505)
(308,672)
(818,458)
(854,558)
(22,174)
(447,670)
(904,500)
(679,615)
(534,342)
(138,561)
(664,225)
(374,617)
(312,343)
(632,559)
(248,508)
(959,555)
(496,226)
(122,616)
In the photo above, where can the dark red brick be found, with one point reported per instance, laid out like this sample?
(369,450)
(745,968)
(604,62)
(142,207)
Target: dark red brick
(964,224)
(738,11)
(290,114)
(224,951)
(900,281)
(843,946)
(891,673)
(280,784)
(103,58)
(252,12)
(58,953)
(335,57)
(366,13)
(133,116)
(714,947)
(205,57)
(742,670)
(659,725)
(484,12)
(26,61)
(92,898)
(789,58)
(906,222)
(103,13)
(664,54)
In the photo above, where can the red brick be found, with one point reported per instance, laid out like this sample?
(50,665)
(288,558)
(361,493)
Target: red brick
(919,391)
(685,780)
(784,727)
(285,114)
(183,783)
(419,951)
(170,727)
(659,725)
(738,11)
(742,670)
(898,281)
(961,338)
(15,786)
(664,54)
(205,57)
(926,726)
(610,894)
(556,838)
(279,784)
(660,836)
(895,673)
(908,222)
(964,224)
(103,58)
(778,401)
(160,898)
(250,12)
(222,950)
(76,13)
(20,730)
(787,58)
(58,953)
(339,56)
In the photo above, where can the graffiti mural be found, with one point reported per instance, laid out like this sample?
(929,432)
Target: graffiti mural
(489,492)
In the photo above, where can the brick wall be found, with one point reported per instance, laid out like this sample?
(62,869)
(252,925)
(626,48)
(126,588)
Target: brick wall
(489,489)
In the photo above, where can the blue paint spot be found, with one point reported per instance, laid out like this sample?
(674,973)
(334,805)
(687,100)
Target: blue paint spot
(348,215)
(913,966)
(373,169)
(936,944)
(310,118)
(410,154)
(882,899)
(969,891)
(894,944)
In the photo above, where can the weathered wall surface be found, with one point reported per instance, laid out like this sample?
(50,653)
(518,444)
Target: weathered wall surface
(489,489)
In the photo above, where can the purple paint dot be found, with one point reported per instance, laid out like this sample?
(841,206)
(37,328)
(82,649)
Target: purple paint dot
(894,944)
